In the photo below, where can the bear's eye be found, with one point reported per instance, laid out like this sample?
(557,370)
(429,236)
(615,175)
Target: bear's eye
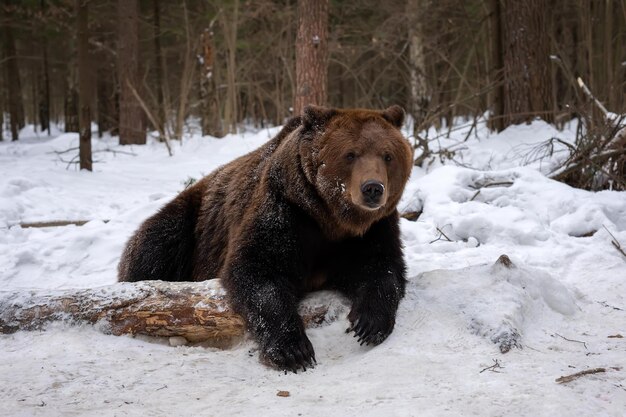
(388,157)
(350,156)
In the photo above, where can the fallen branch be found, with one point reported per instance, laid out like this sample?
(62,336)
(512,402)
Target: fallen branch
(152,118)
(492,368)
(56,223)
(497,184)
(74,148)
(479,185)
(570,378)
(571,340)
(615,242)
(441,234)
(198,312)
(588,93)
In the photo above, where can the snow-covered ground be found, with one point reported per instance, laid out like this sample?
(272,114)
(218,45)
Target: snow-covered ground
(568,287)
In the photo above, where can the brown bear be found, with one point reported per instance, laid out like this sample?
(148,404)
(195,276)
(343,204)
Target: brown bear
(313,208)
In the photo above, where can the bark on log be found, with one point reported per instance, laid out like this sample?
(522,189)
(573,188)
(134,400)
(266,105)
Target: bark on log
(197,311)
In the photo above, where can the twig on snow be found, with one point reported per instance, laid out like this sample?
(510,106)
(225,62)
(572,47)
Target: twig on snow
(615,242)
(441,234)
(571,340)
(499,184)
(570,378)
(115,152)
(492,368)
(75,148)
(605,304)
(74,160)
(491,184)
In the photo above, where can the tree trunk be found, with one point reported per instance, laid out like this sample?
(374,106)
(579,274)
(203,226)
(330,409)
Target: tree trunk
(526,44)
(131,118)
(196,311)
(231,105)
(187,79)
(420,94)
(44,92)
(33,82)
(311,54)
(16,106)
(44,83)
(71,105)
(211,120)
(107,96)
(158,58)
(608,59)
(2,101)
(84,101)
(496,70)
(1,104)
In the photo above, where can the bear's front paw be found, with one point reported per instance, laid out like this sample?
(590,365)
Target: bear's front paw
(371,326)
(290,353)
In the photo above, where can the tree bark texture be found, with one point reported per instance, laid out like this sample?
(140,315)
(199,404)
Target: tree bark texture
(230,26)
(2,101)
(211,120)
(44,91)
(131,121)
(1,114)
(496,67)
(197,311)
(16,106)
(107,98)
(44,79)
(158,58)
(71,104)
(84,99)
(311,54)
(526,57)
(420,94)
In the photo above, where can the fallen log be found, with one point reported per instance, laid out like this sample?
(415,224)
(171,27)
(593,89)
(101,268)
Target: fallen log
(196,311)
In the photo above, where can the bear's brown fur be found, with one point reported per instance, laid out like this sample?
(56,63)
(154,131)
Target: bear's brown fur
(313,208)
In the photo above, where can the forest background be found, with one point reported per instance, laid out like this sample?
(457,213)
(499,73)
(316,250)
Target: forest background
(134,66)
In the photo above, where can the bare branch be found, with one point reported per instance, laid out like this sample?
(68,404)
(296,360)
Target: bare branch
(570,378)
(615,242)
(492,368)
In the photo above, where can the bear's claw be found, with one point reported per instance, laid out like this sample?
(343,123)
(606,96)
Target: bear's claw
(370,330)
(292,356)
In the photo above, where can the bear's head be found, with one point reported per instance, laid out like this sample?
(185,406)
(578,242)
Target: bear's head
(357,160)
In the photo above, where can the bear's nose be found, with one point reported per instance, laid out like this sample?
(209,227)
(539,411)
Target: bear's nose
(372,191)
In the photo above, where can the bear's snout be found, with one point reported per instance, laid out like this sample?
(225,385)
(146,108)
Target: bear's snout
(368,183)
(372,191)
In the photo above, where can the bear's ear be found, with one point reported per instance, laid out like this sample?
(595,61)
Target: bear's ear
(394,115)
(316,117)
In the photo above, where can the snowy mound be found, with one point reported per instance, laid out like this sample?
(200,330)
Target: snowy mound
(519,206)
(496,302)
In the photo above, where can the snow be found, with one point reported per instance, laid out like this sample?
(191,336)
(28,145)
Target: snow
(567,287)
